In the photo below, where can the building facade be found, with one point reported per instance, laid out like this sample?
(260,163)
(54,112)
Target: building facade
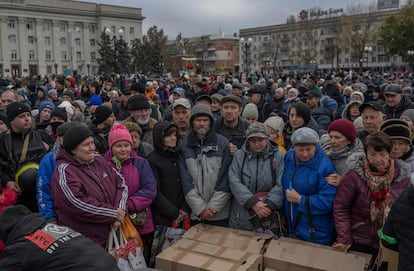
(59,36)
(319,41)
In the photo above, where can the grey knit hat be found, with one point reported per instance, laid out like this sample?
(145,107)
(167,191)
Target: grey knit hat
(409,113)
(257,129)
(250,110)
(305,135)
(201,110)
(276,123)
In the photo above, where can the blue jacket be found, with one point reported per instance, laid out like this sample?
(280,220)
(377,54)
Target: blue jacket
(308,179)
(43,194)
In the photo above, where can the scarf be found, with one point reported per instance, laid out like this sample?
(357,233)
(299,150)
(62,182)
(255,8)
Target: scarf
(379,184)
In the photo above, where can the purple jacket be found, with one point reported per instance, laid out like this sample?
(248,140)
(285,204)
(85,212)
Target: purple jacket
(352,204)
(87,197)
(142,186)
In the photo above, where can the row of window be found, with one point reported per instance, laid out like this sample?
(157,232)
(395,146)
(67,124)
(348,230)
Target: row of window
(48,55)
(46,26)
(32,40)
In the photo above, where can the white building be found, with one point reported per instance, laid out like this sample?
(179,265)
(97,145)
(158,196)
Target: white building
(59,36)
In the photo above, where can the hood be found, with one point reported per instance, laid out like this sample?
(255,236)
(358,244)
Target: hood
(269,151)
(345,112)
(158,133)
(12,216)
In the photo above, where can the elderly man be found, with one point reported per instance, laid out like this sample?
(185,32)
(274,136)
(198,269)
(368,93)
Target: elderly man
(396,102)
(7,97)
(204,161)
(373,116)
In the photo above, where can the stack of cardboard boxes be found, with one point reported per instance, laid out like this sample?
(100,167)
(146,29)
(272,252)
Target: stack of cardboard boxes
(210,248)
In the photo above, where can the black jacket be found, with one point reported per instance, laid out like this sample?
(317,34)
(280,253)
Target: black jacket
(396,112)
(100,138)
(64,249)
(236,135)
(164,163)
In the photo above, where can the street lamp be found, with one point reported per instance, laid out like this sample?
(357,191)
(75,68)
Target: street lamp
(368,50)
(246,43)
(88,65)
(56,66)
(121,34)
(410,54)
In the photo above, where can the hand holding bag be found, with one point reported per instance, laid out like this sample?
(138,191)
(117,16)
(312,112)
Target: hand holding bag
(131,232)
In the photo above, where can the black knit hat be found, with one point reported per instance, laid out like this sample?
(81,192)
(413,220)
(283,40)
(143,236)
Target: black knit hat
(15,109)
(396,129)
(101,114)
(60,113)
(62,129)
(74,136)
(138,102)
(138,87)
(9,218)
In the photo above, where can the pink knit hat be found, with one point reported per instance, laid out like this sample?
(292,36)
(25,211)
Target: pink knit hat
(118,132)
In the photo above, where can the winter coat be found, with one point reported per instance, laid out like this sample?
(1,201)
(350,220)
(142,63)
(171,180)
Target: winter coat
(308,179)
(146,134)
(100,138)
(236,135)
(9,199)
(396,112)
(204,174)
(352,204)
(398,229)
(340,159)
(141,186)
(250,173)
(322,117)
(87,196)
(170,198)
(34,244)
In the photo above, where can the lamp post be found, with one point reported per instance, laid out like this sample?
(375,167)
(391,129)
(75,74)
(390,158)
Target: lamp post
(121,34)
(368,50)
(410,54)
(88,65)
(56,66)
(246,43)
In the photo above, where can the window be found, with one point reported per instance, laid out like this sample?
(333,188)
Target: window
(47,40)
(11,23)
(123,29)
(49,69)
(78,55)
(93,56)
(77,28)
(78,42)
(64,55)
(48,55)
(29,24)
(62,41)
(92,42)
(12,38)
(113,29)
(30,39)
(62,26)
(46,26)
(92,29)
(31,54)
(13,54)
(131,31)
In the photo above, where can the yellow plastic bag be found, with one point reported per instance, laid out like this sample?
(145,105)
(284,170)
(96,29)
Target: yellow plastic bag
(131,232)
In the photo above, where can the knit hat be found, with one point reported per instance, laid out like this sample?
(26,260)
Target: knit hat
(250,110)
(360,94)
(101,114)
(67,106)
(81,104)
(75,136)
(231,98)
(138,87)
(325,141)
(204,97)
(257,129)
(46,104)
(9,218)
(63,128)
(60,113)
(4,119)
(396,129)
(52,92)
(201,110)
(276,123)
(344,127)
(95,100)
(409,113)
(305,135)
(68,93)
(329,103)
(118,133)
(294,90)
(179,91)
(15,109)
(138,102)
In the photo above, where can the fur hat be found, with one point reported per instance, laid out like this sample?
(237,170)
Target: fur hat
(118,133)
(396,129)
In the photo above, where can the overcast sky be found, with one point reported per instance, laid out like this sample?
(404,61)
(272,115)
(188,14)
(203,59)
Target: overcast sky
(193,18)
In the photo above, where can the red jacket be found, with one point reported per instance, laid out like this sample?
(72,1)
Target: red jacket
(8,199)
(352,204)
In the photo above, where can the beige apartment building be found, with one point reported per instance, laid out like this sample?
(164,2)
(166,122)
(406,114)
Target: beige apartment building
(60,36)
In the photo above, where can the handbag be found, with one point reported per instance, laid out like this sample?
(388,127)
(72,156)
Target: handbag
(139,218)
(127,254)
(131,232)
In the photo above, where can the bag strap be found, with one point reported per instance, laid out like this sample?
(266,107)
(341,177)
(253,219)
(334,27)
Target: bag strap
(310,221)
(25,147)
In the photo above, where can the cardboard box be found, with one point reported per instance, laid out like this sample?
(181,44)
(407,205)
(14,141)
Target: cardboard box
(228,237)
(288,254)
(388,257)
(190,255)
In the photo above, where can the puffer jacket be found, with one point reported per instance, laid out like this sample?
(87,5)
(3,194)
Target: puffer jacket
(250,173)
(340,159)
(396,112)
(308,179)
(352,204)
(87,196)
(141,186)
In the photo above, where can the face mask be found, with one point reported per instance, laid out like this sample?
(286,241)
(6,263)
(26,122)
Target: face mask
(55,125)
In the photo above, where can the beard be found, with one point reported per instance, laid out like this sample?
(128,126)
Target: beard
(142,121)
(201,132)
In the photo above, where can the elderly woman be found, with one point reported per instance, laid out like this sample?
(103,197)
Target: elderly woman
(256,169)
(89,196)
(399,132)
(343,143)
(366,193)
(308,198)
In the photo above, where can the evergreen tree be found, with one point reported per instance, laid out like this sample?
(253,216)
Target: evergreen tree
(106,53)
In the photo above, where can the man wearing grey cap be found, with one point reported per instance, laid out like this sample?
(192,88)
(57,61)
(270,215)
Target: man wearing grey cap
(395,101)
(181,110)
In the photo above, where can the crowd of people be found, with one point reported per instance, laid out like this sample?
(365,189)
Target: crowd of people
(328,154)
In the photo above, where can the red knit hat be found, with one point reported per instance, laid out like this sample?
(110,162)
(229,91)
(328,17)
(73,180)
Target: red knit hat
(119,132)
(344,127)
